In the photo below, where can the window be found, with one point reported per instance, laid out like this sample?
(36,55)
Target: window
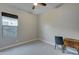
(9,21)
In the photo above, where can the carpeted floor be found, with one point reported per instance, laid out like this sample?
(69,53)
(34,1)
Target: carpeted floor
(34,48)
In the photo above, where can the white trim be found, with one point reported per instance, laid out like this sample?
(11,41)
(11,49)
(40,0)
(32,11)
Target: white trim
(46,41)
(20,43)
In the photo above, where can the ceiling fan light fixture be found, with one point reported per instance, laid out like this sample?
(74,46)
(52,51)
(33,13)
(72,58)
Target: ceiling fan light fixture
(35,4)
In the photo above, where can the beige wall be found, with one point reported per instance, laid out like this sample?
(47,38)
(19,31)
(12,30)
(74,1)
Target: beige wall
(27,29)
(63,21)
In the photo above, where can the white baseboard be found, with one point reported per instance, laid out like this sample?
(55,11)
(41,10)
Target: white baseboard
(46,41)
(19,43)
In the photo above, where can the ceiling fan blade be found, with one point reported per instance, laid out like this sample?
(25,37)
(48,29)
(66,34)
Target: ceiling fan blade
(58,6)
(43,4)
(33,7)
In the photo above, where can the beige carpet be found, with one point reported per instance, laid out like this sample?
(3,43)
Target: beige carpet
(33,48)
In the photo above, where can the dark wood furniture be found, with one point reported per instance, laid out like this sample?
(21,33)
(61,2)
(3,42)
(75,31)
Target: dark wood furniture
(73,43)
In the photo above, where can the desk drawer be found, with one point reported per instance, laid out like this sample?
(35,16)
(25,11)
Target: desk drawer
(69,43)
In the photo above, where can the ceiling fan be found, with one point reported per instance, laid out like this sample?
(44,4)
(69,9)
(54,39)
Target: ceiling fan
(40,4)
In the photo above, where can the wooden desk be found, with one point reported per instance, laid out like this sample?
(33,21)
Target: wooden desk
(73,43)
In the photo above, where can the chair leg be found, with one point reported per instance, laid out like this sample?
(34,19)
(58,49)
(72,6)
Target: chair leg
(55,46)
(63,49)
(78,51)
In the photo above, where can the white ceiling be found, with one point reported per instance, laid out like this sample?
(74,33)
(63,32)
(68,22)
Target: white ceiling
(38,10)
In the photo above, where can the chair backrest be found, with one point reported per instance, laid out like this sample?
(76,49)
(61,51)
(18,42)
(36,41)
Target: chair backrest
(59,40)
